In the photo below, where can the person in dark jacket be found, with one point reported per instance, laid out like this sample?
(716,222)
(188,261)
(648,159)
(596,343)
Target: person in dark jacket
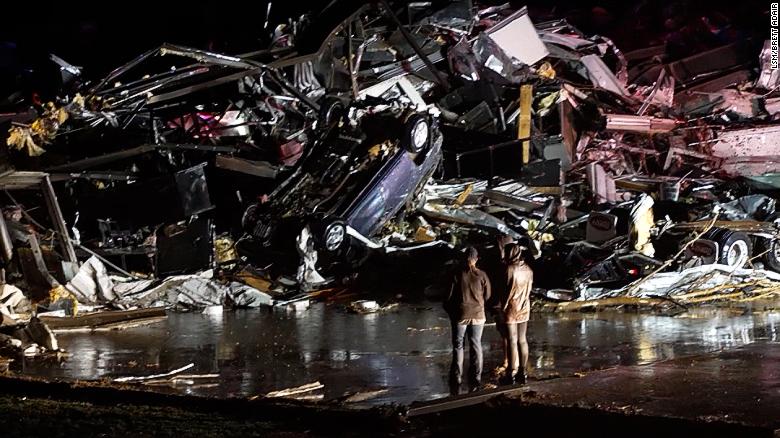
(465,305)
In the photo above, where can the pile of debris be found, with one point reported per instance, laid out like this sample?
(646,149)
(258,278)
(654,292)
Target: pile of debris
(409,128)
(18,335)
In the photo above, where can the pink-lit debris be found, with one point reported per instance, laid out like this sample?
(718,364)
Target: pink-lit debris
(748,152)
(649,125)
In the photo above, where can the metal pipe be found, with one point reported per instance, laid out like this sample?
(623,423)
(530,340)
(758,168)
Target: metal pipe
(6,244)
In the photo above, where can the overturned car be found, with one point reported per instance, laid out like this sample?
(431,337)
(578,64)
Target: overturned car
(357,177)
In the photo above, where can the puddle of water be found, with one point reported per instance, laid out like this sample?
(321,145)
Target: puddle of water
(261,350)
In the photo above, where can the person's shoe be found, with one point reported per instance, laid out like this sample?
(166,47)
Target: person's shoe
(507,380)
(455,386)
(521,378)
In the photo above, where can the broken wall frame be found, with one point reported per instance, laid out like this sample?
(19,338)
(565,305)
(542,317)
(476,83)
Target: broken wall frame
(17,180)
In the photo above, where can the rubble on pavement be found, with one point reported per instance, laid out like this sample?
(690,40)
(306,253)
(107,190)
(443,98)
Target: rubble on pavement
(205,179)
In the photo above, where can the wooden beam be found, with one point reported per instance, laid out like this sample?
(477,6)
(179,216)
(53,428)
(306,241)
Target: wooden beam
(91,320)
(524,120)
(59,222)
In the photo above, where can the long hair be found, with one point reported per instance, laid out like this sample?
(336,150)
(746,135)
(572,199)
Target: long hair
(502,243)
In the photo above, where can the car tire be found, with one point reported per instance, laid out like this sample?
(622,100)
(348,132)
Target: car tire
(331,111)
(771,256)
(735,247)
(249,217)
(416,134)
(252,221)
(325,241)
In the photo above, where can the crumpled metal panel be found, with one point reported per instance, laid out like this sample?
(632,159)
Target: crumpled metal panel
(477,218)
(600,75)
(768,79)
(517,37)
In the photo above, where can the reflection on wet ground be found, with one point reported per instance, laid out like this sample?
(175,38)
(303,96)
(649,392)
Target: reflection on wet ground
(736,385)
(406,351)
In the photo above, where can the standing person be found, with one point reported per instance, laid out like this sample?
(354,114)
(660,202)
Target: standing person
(465,305)
(516,310)
(496,269)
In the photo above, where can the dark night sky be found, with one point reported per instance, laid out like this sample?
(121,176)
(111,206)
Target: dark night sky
(102,37)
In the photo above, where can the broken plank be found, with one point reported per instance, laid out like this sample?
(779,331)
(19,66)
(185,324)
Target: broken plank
(297,390)
(449,403)
(572,306)
(99,319)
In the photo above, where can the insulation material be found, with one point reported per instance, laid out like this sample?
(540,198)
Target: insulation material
(307,271)
(641,223)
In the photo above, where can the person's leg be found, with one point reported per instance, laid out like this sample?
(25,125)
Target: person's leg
(456,370)
(514,360)
(522,343)
(475,353)
(504,343)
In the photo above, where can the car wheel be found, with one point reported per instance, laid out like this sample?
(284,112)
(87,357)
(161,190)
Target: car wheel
(771,256)
(735,247)
(331,235)
(417,134)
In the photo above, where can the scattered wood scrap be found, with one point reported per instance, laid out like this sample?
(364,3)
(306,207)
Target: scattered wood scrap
(365,395)
(309,387)
(153,376)
(112,319)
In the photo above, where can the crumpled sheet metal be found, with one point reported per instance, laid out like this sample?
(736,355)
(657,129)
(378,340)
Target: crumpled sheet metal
(12,301)
(568,41)
(492,57)
(600,75)
(756,207)
(93,285)
(462,61)
(450,191)
(516,195)
(661,93)
(467,216)
(769,78)
(748,152)
(404,88)
(669,284)
(457,16)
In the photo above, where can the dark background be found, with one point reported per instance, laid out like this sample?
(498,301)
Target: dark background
(103,36)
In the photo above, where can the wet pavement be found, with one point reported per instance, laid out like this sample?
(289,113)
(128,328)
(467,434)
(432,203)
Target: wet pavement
(406,351)
(737,386)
